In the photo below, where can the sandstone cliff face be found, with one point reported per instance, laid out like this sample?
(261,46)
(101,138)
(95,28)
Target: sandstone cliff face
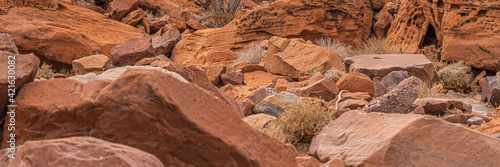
(5,5)
(472,33)
(413,21)
(345,21)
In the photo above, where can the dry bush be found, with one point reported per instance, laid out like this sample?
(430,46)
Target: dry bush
(428,89)
(313,71)
(45,71)
(253,54)
(375,45)
(66,72)
(492,110)
(333,75)
(456,76)
(220,13)
(151,14)
(333,45)
(300,122)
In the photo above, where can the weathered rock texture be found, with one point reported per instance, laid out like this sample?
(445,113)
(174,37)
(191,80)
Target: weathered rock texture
(347,21)
(398,100)
(471,33)
(5,5)
(64,35)
(378,139)
(78,151)
(180,123)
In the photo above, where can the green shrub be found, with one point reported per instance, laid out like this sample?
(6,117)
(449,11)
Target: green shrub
(300,122)
(456,76)
(45,71)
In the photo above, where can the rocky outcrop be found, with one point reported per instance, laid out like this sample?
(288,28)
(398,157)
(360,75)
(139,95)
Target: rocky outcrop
(78,151)
(131,51)
(471,33)
(45,5)
(181,123)
(417,20)
(381,65)
(441,105)
(94,63)
(348,22)
(379,139)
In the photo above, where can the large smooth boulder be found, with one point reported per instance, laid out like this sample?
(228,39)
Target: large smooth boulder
(64,35)
(356,82)
(379,139)
(381,65)
(78,151)
(348,22)
(398,100)
(178,122)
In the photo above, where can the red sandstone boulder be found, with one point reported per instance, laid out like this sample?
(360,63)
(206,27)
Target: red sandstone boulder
(379,139)
(7,44)
(179,122)
(64,35)
(356,82)
(120,8)
(131,51)
(398,100)
(78,151)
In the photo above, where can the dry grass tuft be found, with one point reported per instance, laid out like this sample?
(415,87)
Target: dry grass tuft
(319,69)
(300,122)
(220,13)
(456,76)
(333,45)
(375,45)
(428,89)
(45,71)
(492,110)
(333,75)
(253,54)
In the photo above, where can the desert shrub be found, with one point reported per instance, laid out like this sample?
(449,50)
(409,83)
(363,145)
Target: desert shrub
(45,71)
(456,76)
(333,45)
(375,45)
(299,122)
(159,14)
(428,89)
(253,54)
(333,75)
(315,70)
(492,110)
(220,13)
(66,72)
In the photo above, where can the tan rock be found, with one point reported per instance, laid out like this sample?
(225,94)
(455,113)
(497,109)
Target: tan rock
(146,61)
(441,105)
(164,43)
(334,162)
(281,85)
(356,82)
(323,89)
(95,63)
(135,17)
(120,8)
(379,139)
(491,127)
(195,25)
(258,78)
(246,106)
(78,151)
(167,65)
(214,73)
(65,35)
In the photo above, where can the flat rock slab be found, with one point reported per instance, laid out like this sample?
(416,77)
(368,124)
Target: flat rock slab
(381,65)
(379,139)
(440,105)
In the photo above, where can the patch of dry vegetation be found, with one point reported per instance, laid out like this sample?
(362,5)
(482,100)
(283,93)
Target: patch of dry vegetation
(336,46)
(253,53)
(300,122)
(429,89)
(45,71)
(456,76)
(220,13)
(372,45)
(333,75)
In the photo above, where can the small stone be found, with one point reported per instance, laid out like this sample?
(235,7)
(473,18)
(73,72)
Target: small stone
(475,121)
(233,78)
